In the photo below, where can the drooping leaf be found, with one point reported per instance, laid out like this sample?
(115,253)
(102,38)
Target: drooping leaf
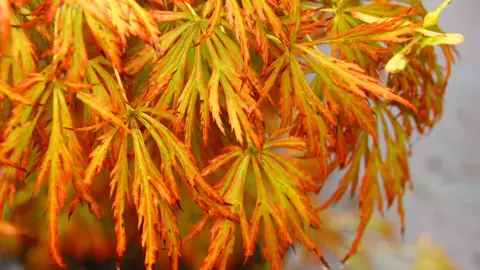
(19,52)
(69,47)
(282,203)
(107,40)
(57,167)
(392,167)
(351,77)
(150,193)
(119,183)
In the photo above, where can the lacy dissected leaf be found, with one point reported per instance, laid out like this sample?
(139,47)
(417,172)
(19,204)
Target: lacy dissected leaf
(97,157)
(391,30)
(205,82)
(236,19)
(19,57)
(235,106)
(425,36)
(266,12)
(255,17)
(214,7)
(391,166)
(18,133)
(195,88)
(114,138)
(119,186)
(257,23)
(153,200)
(334,74)
(357,42)
(423,83)
(107,40)
(175,157)
(313,117)
(223,231)
(237,93)
(340,76)
(104,84)
(281,186)
(155,192)
(350,76)
(63,153)
(168,73)
(352,113)
(154,188)
(57,166)
(69,47)
(125,17)
(104,107)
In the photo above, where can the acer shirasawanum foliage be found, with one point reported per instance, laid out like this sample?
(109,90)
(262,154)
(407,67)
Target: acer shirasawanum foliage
(171,95)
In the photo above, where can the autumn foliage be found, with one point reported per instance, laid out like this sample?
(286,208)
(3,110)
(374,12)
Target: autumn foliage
(215,105)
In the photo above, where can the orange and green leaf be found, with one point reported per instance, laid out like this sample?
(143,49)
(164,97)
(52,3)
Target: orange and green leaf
(138,98)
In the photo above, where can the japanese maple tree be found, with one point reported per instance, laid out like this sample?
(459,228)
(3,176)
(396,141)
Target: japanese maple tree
(215,105)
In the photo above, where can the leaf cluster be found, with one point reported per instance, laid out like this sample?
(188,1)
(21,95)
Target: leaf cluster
(174,99)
